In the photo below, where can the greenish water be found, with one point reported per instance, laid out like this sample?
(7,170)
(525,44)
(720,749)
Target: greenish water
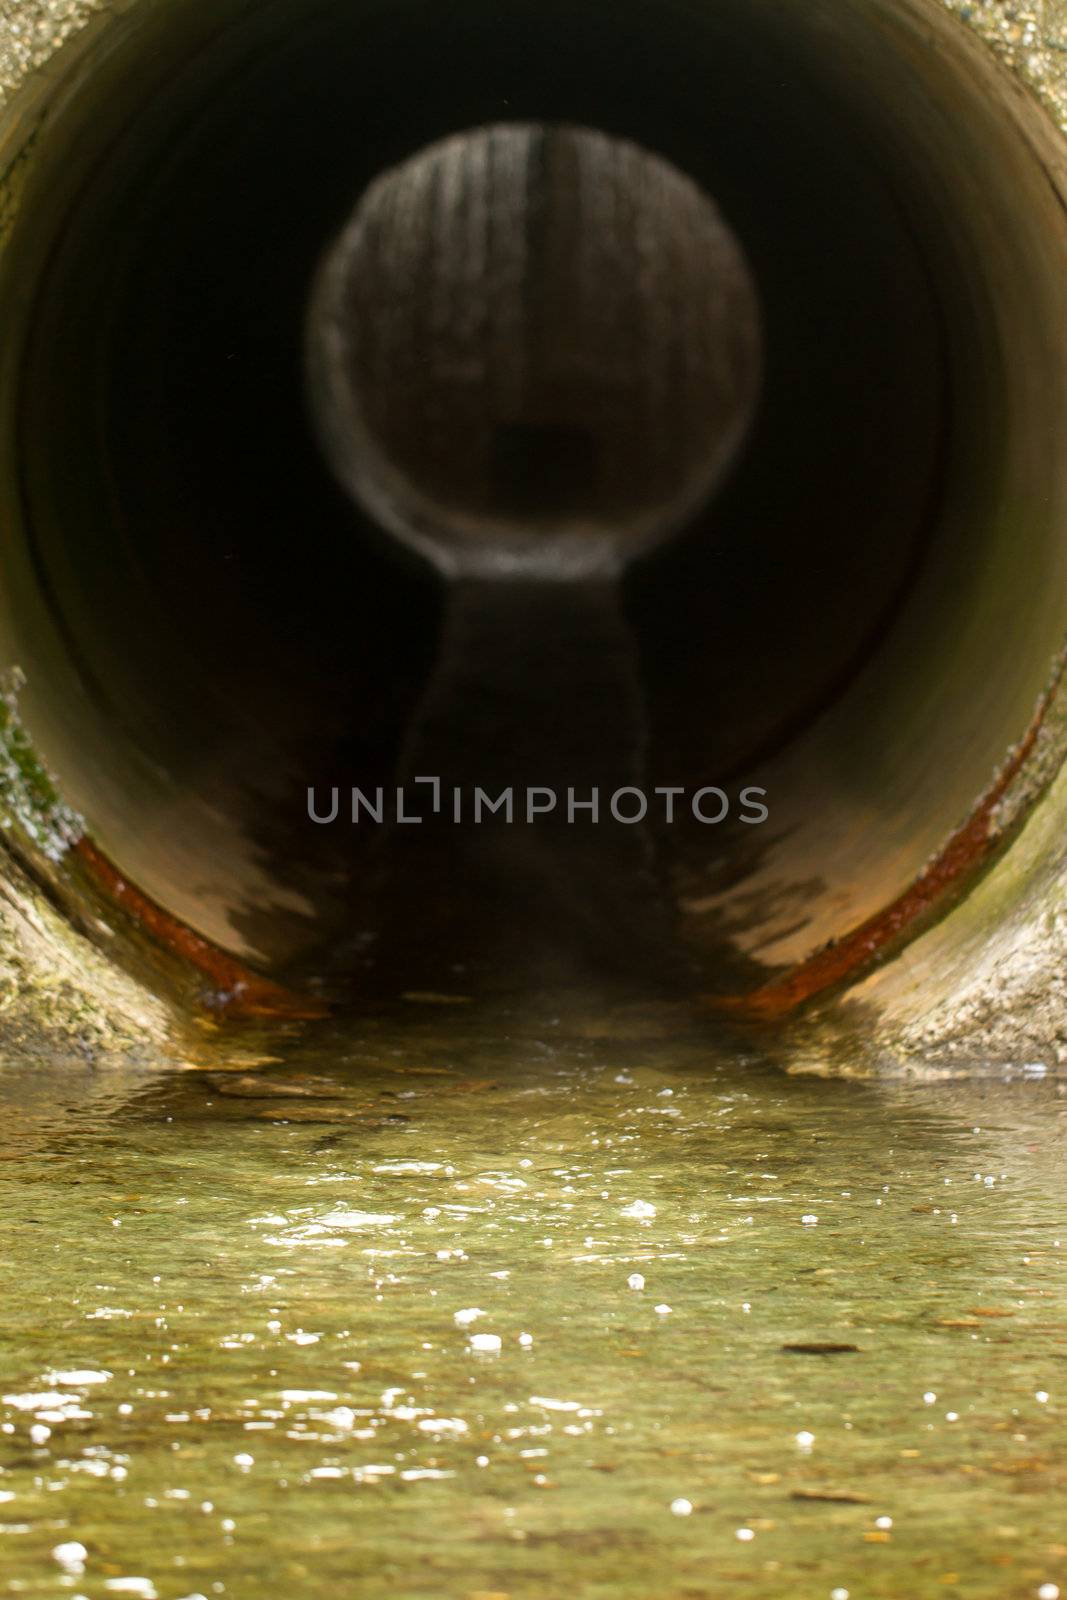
(233,1364)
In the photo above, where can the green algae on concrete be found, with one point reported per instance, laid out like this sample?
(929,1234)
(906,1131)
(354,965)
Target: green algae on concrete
(29,799)
(61,994)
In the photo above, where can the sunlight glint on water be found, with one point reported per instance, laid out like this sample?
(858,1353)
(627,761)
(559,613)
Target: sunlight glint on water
(433,1314)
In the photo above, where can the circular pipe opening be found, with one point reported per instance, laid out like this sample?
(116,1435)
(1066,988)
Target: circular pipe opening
(861,621)
(534,351)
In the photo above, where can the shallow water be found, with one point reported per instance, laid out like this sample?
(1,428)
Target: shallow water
(233,1364)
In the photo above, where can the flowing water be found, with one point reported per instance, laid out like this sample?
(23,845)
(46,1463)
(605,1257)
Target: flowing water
(464,1308)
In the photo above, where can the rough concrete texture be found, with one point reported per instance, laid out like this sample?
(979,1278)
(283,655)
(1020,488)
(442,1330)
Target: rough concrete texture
(31,33)
(60,996)
(999,996)
(1031,39)
(987,987)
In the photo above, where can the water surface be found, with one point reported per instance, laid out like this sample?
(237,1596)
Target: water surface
(462,1309)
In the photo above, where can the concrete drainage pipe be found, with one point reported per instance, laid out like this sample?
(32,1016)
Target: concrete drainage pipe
(864,621)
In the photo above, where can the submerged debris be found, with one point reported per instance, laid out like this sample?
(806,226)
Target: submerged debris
(845,1497)
(265,1086)
(821,1349)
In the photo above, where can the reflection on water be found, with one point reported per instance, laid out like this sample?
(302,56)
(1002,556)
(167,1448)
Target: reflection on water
(457,1310)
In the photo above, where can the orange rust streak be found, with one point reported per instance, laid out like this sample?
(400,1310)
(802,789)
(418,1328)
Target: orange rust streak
(968,847)
(247,994)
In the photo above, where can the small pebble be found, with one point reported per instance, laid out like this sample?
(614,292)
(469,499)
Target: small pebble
(463,1319)
(745,1535)
(883,1522)
(1049,1591)
(805,1439)
(487,1342)
(663,1311)
(682,1508)
(635,1281)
